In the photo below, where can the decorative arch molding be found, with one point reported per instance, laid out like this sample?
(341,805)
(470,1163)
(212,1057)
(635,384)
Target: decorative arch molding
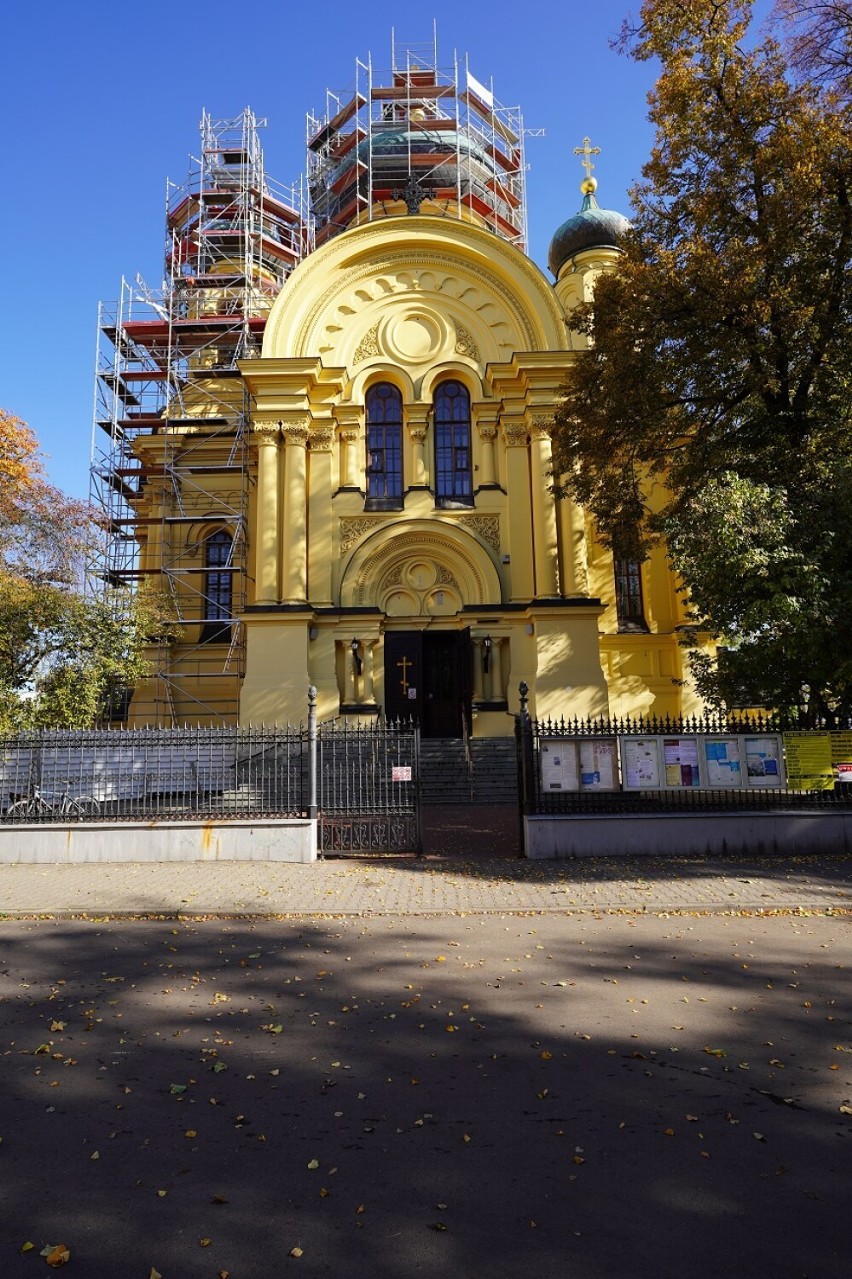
(451,556)
(380,372)
(452,370)
(199,531)
(369,289)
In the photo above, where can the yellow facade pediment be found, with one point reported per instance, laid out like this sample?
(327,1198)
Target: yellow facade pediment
(417,292)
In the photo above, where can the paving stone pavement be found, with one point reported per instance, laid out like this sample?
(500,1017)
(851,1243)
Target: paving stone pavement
(429,885)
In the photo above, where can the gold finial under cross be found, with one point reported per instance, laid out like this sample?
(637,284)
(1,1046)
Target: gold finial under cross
(587,151)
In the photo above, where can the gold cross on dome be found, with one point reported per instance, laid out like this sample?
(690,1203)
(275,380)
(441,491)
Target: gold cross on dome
(587,152)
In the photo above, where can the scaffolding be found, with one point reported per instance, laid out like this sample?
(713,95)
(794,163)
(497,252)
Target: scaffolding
(436,133)
(170,435)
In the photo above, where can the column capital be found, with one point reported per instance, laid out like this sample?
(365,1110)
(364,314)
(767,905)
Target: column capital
(267,429)
(294,428)
(541,426)
(487,431)
(515,432)
(321,439)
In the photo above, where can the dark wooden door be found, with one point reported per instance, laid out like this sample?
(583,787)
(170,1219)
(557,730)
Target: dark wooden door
(404,674)
(445,704)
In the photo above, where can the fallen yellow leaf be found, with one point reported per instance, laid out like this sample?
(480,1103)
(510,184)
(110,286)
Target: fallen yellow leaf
(57,1256)
(295,1252)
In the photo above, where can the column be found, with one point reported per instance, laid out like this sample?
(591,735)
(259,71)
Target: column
(353,463)
(486,424)
(487,436)
(477,670)
(266,535)
(349,696)
(496,670)
(544,511)
(573,561)
(417,430)
(294,585)
(320,459)
(369,647)
(519,508)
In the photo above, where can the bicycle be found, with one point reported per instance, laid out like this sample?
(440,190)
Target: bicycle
(66,805)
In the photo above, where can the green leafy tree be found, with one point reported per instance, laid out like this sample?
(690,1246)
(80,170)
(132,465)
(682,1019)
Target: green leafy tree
(65,655)
(713,406)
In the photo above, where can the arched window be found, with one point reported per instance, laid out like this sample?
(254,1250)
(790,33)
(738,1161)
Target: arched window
(384,447)
(453,470)
(629,605)
(218,599)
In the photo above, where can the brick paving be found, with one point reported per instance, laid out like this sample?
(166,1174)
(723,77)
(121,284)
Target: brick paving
(429,885)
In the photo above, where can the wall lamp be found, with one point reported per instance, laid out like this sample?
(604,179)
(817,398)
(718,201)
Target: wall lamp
(356,656)
(486,653)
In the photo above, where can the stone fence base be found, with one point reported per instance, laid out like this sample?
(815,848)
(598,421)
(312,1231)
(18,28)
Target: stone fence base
(676,834)
(287,840)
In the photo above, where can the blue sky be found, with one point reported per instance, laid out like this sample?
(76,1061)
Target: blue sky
(102,103)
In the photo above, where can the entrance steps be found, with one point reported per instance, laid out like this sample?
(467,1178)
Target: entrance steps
(490,776)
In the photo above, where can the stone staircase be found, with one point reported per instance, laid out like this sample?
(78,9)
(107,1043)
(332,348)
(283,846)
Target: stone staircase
(446,778)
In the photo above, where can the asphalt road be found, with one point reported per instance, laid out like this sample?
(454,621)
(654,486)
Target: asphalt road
(448,1095)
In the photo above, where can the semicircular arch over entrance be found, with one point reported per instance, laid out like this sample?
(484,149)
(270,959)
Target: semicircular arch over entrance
(420,569)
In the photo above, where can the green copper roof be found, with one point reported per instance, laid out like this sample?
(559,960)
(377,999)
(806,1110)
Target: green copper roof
(591,228)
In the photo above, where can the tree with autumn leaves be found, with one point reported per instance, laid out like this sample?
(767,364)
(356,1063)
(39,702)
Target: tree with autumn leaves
(714,404)
(64,653)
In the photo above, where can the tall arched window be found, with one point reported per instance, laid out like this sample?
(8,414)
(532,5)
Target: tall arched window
(218,588)
(384,447)
(453,470)
(629,605)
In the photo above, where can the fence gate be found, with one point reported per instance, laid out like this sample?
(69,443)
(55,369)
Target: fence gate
(368,789)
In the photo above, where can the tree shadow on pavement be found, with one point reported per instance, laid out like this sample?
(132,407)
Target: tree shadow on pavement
(394,1096)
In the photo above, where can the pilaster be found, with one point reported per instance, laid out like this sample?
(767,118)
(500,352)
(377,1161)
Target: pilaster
(320,459)
(294,531)
(544,513)
(266,544)
(519,509)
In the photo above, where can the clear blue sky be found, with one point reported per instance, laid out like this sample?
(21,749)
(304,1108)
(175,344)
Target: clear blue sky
(102,103)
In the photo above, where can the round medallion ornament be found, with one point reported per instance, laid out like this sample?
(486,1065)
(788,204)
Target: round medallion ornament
(414,337)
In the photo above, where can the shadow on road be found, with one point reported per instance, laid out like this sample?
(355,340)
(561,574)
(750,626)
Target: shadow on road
(467,1096)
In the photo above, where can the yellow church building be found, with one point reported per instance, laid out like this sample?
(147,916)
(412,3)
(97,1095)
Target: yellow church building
(326,441)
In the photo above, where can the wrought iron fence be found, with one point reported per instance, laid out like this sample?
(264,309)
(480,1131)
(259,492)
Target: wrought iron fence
(123,774)
(691,764)
(362,781)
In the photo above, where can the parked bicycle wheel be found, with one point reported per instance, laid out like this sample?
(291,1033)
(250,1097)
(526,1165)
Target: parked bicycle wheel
(25,808)
(83,807)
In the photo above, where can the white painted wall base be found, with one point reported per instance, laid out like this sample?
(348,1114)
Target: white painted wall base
(293,840)
(661,834)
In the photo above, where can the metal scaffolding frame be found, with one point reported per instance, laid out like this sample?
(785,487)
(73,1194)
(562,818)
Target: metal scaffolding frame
(170,435)
(420,123)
